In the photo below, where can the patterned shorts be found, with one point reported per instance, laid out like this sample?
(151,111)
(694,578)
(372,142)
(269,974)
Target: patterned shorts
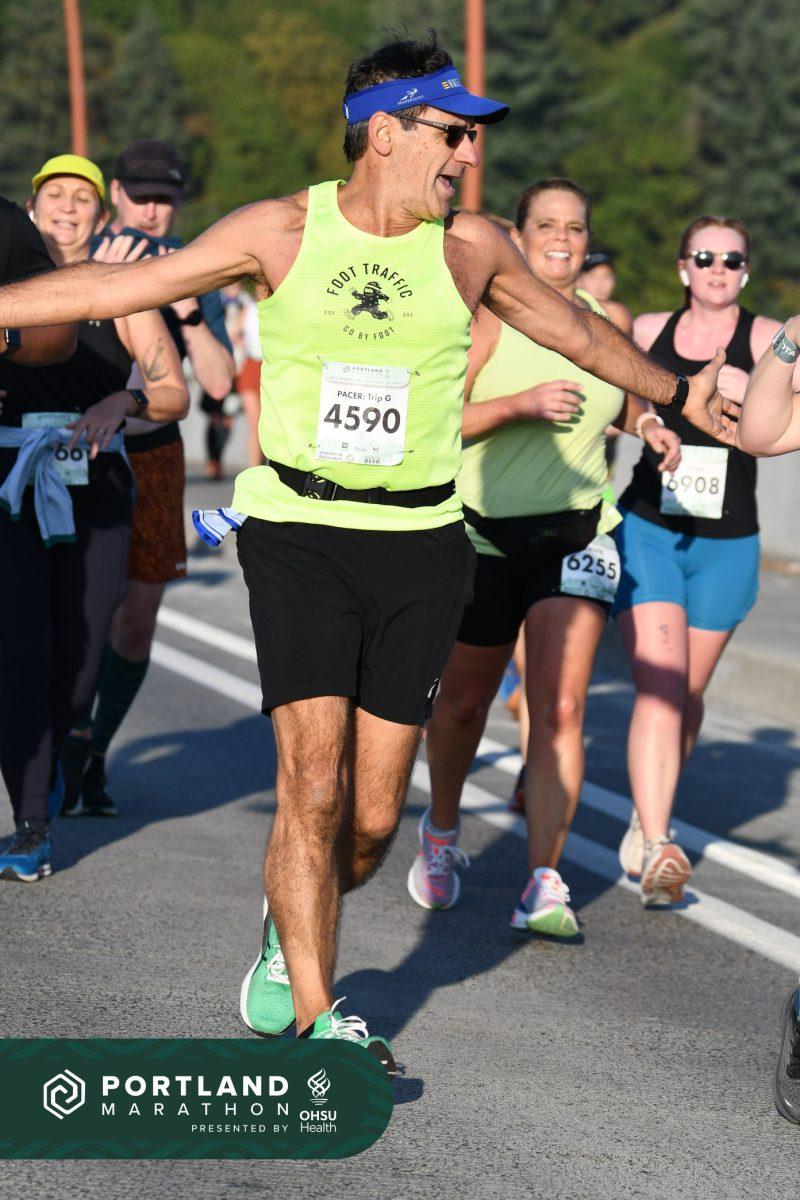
(158,541)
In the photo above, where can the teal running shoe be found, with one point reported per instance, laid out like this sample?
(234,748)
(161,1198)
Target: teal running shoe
(27,856)
(331,1024)
(266,998)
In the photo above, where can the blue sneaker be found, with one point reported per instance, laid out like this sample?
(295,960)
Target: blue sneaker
(55,796)
(27,857)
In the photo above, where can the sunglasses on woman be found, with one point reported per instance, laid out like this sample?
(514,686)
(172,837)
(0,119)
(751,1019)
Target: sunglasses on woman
(454,134)
(734,260)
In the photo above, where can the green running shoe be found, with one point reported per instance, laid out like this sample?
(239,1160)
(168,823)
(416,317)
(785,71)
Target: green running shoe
(352,1029)
(266,998)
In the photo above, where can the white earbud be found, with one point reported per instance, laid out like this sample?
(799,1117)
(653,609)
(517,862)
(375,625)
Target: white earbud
(684,277)
(745,278)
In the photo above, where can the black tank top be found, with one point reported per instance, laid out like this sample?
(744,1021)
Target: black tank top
(643,495)
(100,365)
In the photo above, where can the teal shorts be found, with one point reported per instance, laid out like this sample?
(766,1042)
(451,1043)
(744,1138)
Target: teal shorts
(714,579)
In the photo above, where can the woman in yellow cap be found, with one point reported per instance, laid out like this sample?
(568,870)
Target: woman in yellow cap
(64,540)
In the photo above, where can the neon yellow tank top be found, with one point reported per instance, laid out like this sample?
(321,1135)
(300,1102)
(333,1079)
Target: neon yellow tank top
(531,467)
(365,355)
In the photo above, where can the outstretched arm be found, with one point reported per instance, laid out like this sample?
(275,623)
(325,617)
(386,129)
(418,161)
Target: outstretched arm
(518,297)
(97,290)
(770,419)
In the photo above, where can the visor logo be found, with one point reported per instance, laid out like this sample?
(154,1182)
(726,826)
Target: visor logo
(409,97)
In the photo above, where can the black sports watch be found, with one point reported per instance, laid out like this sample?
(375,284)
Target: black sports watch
(679,399)
(13,341)
(141,401)
(194,318)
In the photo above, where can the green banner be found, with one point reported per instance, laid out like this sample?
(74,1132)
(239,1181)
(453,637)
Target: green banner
(189,1098)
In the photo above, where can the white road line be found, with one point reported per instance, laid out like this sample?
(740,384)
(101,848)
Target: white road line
(753,863)
(715,915)
(758,866)
(202,631)
(222,682)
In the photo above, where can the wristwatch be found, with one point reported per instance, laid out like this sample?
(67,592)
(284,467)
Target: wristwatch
(679,399)
(784,348)
(141,401)
(194,318)
(13,341)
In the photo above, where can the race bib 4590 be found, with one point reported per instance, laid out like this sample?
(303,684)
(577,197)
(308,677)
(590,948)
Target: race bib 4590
(362,414)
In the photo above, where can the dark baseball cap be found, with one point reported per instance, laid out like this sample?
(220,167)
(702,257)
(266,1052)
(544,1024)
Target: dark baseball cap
(149,166)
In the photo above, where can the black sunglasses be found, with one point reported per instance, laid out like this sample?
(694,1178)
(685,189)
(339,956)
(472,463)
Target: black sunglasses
(734,260)
(454,134)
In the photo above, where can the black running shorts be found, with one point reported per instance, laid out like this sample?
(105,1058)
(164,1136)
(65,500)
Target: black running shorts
(505,589)
(345,612)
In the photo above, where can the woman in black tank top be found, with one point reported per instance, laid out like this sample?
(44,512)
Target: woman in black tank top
(67,550)
(688,546)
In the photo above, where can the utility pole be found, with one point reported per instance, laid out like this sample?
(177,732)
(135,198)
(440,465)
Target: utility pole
(475,26)
(77,85)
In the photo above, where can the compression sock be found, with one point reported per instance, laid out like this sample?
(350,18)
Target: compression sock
(120,680)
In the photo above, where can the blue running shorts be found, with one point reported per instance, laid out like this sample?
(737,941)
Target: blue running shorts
(714,579)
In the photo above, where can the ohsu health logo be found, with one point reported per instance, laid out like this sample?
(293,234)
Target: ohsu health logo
(63,1094)
(319,1086)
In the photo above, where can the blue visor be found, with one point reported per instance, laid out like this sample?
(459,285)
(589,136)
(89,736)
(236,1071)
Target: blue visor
(443,90)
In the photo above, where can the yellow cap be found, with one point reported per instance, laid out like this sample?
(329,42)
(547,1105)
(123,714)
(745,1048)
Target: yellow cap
(71,164)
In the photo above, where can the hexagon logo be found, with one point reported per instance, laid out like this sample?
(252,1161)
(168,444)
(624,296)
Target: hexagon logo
(64,1094)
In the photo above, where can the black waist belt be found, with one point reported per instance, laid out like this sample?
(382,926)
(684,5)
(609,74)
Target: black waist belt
(306,483)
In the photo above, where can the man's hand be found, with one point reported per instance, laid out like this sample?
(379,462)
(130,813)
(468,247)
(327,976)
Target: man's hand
(706,407)
(556,401)
(663,441)
(100,422)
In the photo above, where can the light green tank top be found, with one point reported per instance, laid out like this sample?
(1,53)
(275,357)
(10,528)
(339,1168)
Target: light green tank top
(365,353)
(531,467)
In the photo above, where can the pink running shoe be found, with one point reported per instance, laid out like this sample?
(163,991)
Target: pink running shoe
(544,906)
(432,880)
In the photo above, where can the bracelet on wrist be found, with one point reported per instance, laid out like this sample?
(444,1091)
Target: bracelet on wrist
(141,401)
(646,416)
(784,348)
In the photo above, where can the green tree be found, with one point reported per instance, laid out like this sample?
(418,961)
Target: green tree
(637,157)
(747,99)
(145,92)
(528,63)
(34,97)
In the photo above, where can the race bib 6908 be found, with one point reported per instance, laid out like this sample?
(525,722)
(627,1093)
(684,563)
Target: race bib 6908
(697,488)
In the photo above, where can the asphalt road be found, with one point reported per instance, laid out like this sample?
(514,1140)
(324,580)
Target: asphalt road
(635,1063)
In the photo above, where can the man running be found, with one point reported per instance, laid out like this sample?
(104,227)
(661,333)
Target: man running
(354,552)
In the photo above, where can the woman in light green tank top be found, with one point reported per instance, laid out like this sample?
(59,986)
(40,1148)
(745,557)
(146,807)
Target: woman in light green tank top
(532,483)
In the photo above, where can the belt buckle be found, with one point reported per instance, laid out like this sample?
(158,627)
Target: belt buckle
(317,488)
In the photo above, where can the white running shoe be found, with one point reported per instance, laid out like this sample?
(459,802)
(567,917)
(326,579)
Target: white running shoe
(433,880)
(665,872)
(631,848)
(544,906)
